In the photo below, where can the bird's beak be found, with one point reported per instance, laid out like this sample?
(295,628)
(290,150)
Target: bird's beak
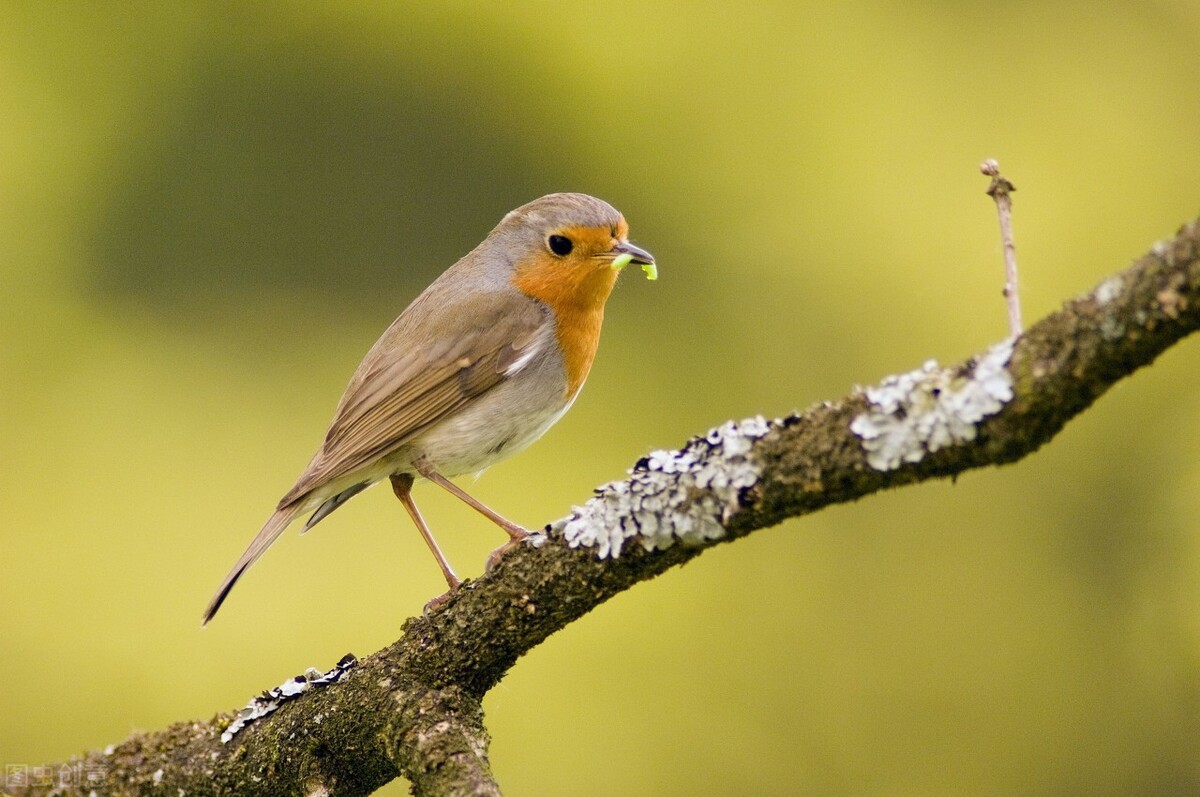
(625,253)
(637,254)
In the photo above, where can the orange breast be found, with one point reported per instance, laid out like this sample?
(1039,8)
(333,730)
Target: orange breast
(576,292)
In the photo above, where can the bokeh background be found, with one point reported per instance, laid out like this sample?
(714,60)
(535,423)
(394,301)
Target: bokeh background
(209,211)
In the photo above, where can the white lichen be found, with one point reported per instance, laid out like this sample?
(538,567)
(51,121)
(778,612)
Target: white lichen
(1112,328)
(932,408)
(671,496)
(269,701)
(1108,290)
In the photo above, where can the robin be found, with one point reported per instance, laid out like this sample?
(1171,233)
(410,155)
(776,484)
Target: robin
(479,366)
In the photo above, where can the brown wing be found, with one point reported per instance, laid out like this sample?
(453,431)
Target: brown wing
(404,386)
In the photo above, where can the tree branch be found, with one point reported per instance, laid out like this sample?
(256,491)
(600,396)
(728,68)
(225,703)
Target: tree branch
(414,708)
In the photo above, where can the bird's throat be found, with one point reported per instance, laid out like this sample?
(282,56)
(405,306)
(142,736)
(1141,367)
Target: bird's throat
(577,297)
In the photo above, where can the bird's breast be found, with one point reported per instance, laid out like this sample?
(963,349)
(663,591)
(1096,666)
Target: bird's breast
(577,302)
(498,423)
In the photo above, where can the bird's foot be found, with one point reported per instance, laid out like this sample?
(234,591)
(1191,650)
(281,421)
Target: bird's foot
(495,556)
(436,603)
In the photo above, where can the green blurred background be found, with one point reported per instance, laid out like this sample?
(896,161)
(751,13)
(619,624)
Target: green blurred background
(208,212)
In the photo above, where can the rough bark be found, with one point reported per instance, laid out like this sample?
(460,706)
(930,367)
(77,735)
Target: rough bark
(414,708)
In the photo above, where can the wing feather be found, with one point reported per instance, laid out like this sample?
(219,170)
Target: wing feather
(397,392)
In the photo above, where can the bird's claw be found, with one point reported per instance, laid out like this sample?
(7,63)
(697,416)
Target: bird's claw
(495,556)
(434,604)
(535,539)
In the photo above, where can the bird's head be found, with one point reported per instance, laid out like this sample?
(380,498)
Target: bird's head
(569,249)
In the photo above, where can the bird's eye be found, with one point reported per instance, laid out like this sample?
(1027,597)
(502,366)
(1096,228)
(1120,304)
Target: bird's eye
(560,245)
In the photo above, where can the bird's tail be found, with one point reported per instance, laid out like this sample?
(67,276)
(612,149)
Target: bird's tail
(270,532)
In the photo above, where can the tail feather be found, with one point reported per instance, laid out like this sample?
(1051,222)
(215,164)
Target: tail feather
(270,532)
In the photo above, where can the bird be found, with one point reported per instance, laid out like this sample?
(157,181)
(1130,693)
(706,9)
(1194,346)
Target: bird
(486,359)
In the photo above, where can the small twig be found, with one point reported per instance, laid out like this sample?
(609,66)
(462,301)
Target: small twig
(999,190)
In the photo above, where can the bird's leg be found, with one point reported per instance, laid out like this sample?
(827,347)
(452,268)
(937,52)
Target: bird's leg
(402,486)
(515,533)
